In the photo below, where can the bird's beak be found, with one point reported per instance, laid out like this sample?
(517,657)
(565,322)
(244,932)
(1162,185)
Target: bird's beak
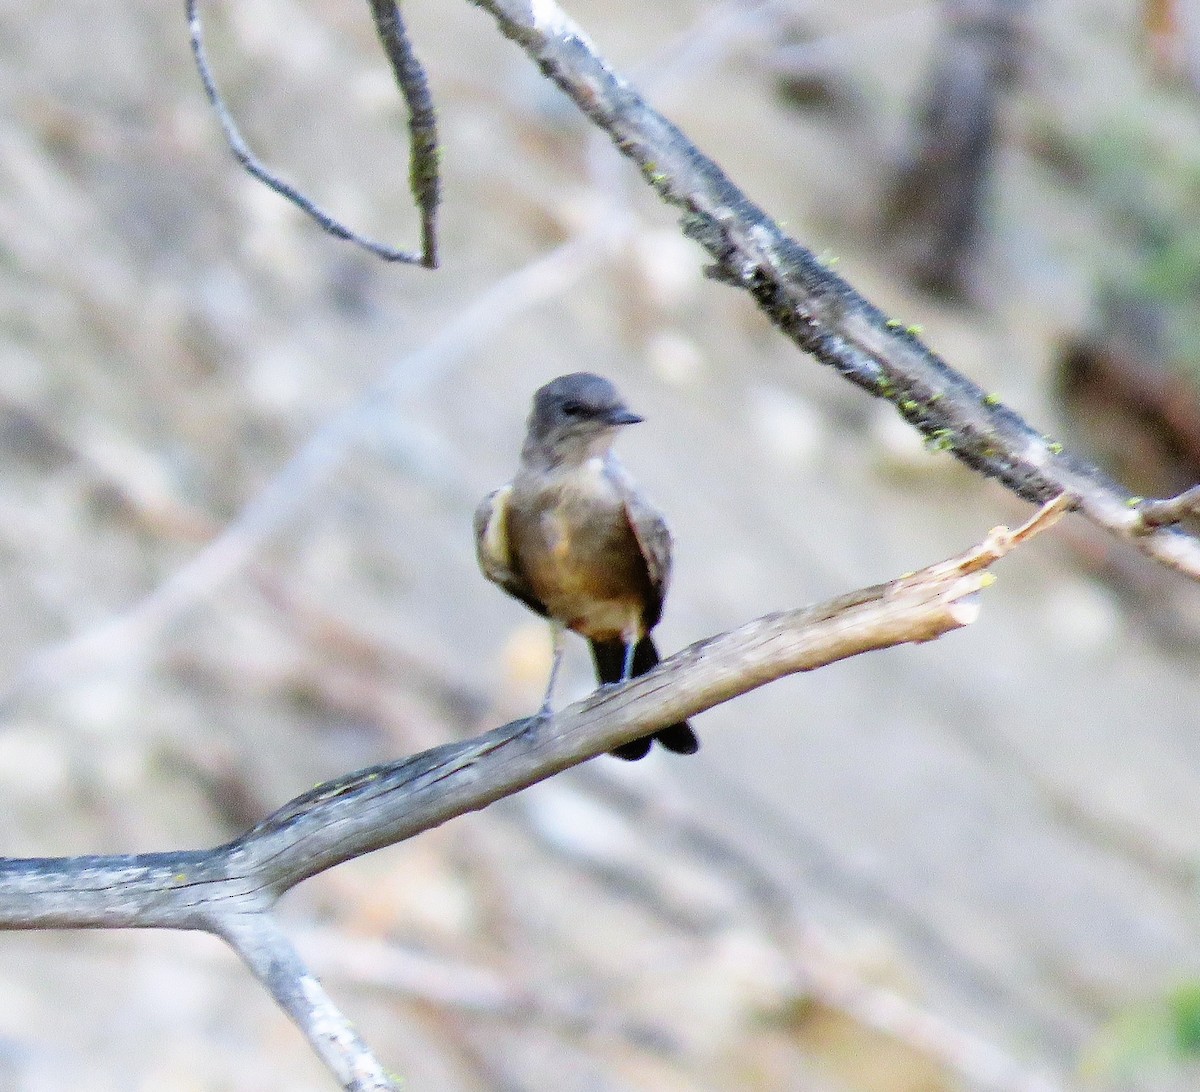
(621,416)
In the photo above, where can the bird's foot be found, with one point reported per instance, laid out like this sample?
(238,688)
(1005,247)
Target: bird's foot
(530,726)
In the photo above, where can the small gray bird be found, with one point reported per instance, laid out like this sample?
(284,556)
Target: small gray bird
(572,538)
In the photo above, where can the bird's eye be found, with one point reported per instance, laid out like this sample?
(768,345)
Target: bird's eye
(573,409)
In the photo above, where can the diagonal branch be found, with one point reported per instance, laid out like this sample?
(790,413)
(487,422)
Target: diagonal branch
(278,966)
(278,501)
(229,890)
(818,310)
(383,805)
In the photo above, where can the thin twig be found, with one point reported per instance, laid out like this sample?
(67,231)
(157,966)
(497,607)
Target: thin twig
(253,165)
(422,121)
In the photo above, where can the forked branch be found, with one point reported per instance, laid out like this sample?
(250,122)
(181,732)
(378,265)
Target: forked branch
(231,889)
(423,151)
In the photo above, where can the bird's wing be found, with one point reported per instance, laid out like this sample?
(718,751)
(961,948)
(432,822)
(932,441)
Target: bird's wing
(650,530)
(493,550)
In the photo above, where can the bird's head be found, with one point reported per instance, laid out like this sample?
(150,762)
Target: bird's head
(576,416)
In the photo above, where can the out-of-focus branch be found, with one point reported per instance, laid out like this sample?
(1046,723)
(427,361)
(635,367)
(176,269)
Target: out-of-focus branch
(982,1063)
(240,541)
(423,153)
(230,890)
(932,212)
(818,310)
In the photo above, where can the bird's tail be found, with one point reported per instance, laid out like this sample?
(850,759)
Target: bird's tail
(610,666)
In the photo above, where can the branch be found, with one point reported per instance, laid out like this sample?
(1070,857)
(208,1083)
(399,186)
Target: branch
(818,310)
(422,122)
(277,965)
(229,890)
(294,483)
(983,1064)
(423,174)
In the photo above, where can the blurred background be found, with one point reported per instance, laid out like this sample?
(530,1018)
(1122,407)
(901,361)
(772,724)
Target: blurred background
(238,461)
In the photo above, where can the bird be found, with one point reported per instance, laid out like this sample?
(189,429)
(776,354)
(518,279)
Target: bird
(573,538)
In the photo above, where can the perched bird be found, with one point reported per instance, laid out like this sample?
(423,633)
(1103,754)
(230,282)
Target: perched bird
(572,538)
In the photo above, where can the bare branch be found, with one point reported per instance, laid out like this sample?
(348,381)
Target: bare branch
(229,890)
(819,311)
(278,966)
(423,154)
(294,484)
(383,805)
(422,121)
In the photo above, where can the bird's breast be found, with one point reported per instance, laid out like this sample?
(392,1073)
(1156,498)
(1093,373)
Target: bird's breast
(571,539)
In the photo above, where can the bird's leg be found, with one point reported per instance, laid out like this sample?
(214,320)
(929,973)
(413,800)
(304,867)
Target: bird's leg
(627,670)
(556,637)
